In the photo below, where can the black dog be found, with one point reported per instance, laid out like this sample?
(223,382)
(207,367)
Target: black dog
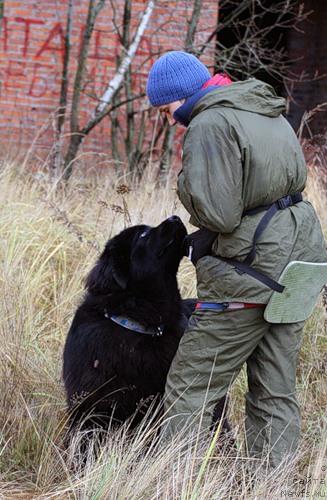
(108,368)
(126,332)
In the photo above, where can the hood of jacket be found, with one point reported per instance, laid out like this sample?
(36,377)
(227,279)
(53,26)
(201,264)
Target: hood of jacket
(250,95)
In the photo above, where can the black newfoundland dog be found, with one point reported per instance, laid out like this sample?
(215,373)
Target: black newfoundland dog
(126,331)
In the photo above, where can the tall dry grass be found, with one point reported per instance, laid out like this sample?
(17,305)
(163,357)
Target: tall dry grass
(49,238)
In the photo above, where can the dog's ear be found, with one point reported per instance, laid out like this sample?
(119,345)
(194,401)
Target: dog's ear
(109,273)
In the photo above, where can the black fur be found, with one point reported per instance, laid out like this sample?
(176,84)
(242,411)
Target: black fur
(109,370)
(112,374)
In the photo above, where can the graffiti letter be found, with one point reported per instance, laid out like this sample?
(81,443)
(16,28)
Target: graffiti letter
(28,23)
(39,83)
(14,69)
(55,32)
(5,33)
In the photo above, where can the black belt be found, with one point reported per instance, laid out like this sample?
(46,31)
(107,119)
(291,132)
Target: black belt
(285,202)
(245,266)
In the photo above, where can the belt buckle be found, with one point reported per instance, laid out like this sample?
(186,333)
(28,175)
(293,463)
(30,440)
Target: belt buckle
(284,202)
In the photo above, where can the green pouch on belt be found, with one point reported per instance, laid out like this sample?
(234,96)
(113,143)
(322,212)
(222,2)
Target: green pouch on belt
(303,282)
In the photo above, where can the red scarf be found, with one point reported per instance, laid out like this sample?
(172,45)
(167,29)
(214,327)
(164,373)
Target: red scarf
(219,79)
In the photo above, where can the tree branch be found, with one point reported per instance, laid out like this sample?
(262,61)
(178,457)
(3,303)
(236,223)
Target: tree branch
(167,143)
(56,159)
(2,9)
(192,26)
(64,78)
(76,137)
(93,11)
(114,22)
(91,124)
(124,65)
(130,122)
(228,21)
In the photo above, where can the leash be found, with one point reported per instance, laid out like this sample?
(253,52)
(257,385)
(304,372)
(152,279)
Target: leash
(135,326)
(226,306)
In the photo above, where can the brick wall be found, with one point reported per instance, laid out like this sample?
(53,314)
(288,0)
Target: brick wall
(31,52)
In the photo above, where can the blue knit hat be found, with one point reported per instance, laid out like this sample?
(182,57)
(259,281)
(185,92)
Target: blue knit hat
(174,76)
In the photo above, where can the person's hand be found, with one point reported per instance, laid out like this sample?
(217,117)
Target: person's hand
(198,244)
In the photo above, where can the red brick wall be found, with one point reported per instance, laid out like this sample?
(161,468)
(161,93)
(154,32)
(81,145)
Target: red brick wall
(31,51)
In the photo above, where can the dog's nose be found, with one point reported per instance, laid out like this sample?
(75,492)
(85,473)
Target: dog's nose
(174,218)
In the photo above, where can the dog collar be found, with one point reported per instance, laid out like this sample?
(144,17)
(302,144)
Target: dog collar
(135,326)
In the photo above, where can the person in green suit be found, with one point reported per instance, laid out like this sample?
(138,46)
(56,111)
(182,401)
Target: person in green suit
(240,156)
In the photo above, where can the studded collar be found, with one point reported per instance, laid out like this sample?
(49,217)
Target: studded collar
(135,326)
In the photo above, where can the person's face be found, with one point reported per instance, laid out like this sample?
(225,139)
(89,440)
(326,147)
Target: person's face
(169,109)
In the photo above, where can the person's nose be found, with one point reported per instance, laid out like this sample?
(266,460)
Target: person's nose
(171,119)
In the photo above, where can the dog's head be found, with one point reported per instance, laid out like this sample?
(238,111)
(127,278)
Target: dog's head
(139,255)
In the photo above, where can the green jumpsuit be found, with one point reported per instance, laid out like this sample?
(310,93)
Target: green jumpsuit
(239,153)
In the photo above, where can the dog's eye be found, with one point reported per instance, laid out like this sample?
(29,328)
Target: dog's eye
(142,235)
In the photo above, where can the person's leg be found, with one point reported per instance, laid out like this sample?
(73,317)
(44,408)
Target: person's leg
(272,412)
(210,355)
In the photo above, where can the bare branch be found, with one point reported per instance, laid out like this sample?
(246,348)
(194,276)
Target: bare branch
(252,50)
(93,11)
(91,124)
(227,21)
(76,138)
(308,116)
(2,9)
(130,122)
(77,134)
(118,78)
(114,140)
(192,25)
(169,132)
(114,22)
(126,22)
(63,90)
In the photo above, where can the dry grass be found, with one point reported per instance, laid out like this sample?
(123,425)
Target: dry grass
(49,238)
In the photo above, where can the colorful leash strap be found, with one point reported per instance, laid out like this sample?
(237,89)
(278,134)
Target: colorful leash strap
(227,306)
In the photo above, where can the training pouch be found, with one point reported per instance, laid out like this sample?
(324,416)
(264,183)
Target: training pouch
(303,282)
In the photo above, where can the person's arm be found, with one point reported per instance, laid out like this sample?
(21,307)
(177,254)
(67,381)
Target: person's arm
(210,185)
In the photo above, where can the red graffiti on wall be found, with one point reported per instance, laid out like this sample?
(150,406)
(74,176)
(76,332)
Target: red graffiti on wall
(13,71)
(34,57)
(54,43)
(35,72)
(44,80)
(5,33)
(27,31)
